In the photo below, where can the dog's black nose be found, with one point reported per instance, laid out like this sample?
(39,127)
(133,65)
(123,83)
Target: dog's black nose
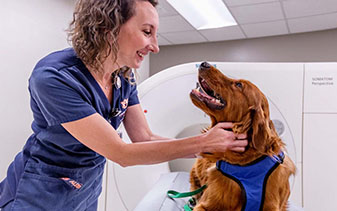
(205,65)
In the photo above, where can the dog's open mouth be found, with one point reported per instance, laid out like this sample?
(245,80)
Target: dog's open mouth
(205,94)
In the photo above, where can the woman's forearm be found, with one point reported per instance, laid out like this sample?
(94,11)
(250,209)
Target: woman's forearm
(152,152)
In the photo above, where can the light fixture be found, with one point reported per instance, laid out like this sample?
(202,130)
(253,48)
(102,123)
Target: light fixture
(204,14)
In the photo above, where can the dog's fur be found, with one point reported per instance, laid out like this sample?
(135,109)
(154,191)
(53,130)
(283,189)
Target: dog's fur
(242,103)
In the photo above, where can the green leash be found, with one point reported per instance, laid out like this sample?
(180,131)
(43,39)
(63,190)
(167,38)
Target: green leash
(191,202)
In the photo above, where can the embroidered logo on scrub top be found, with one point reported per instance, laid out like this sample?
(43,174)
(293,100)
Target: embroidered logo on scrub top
(124,103)
(71,182)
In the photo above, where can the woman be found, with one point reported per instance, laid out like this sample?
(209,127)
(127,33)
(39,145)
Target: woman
(79,96)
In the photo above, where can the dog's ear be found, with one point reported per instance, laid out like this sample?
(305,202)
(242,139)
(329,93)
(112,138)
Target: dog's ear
(263,137)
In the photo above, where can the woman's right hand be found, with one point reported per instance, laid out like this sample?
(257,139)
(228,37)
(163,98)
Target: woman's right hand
(220,139)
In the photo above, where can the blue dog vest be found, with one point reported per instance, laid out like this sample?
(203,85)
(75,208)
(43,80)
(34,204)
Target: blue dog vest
(252,178)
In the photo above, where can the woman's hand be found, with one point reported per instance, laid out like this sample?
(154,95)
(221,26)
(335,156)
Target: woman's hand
(218,139)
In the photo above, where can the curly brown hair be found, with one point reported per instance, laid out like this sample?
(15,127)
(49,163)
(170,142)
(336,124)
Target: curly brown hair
(94,23)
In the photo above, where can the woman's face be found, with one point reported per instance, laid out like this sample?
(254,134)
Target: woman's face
(138,36)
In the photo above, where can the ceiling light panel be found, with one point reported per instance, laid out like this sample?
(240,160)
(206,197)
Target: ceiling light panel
(203,14)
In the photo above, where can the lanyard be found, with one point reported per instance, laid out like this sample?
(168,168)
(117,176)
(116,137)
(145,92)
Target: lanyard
(115,111)
(191,202)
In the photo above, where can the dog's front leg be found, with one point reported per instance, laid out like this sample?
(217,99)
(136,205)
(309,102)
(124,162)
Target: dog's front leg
(208,203)
(199,207)
(195,182)
(204,206)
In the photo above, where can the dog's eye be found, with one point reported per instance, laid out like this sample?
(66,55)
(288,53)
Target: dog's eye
(238,84)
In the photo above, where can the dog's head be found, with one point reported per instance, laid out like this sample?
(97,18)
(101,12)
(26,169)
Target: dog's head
(238,101)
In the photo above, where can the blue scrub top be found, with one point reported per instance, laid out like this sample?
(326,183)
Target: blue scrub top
(63,90)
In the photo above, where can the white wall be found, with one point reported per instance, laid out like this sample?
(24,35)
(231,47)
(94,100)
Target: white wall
(29,30)
(319,46)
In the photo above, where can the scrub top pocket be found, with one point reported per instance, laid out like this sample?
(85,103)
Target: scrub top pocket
(43,187)
(36,192)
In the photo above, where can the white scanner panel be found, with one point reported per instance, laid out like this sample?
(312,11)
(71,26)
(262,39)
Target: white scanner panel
(319,137)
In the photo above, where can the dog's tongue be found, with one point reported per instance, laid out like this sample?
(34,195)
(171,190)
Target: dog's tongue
(211,102)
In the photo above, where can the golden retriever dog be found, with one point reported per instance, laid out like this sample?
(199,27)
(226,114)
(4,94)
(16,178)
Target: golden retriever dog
(239,101)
